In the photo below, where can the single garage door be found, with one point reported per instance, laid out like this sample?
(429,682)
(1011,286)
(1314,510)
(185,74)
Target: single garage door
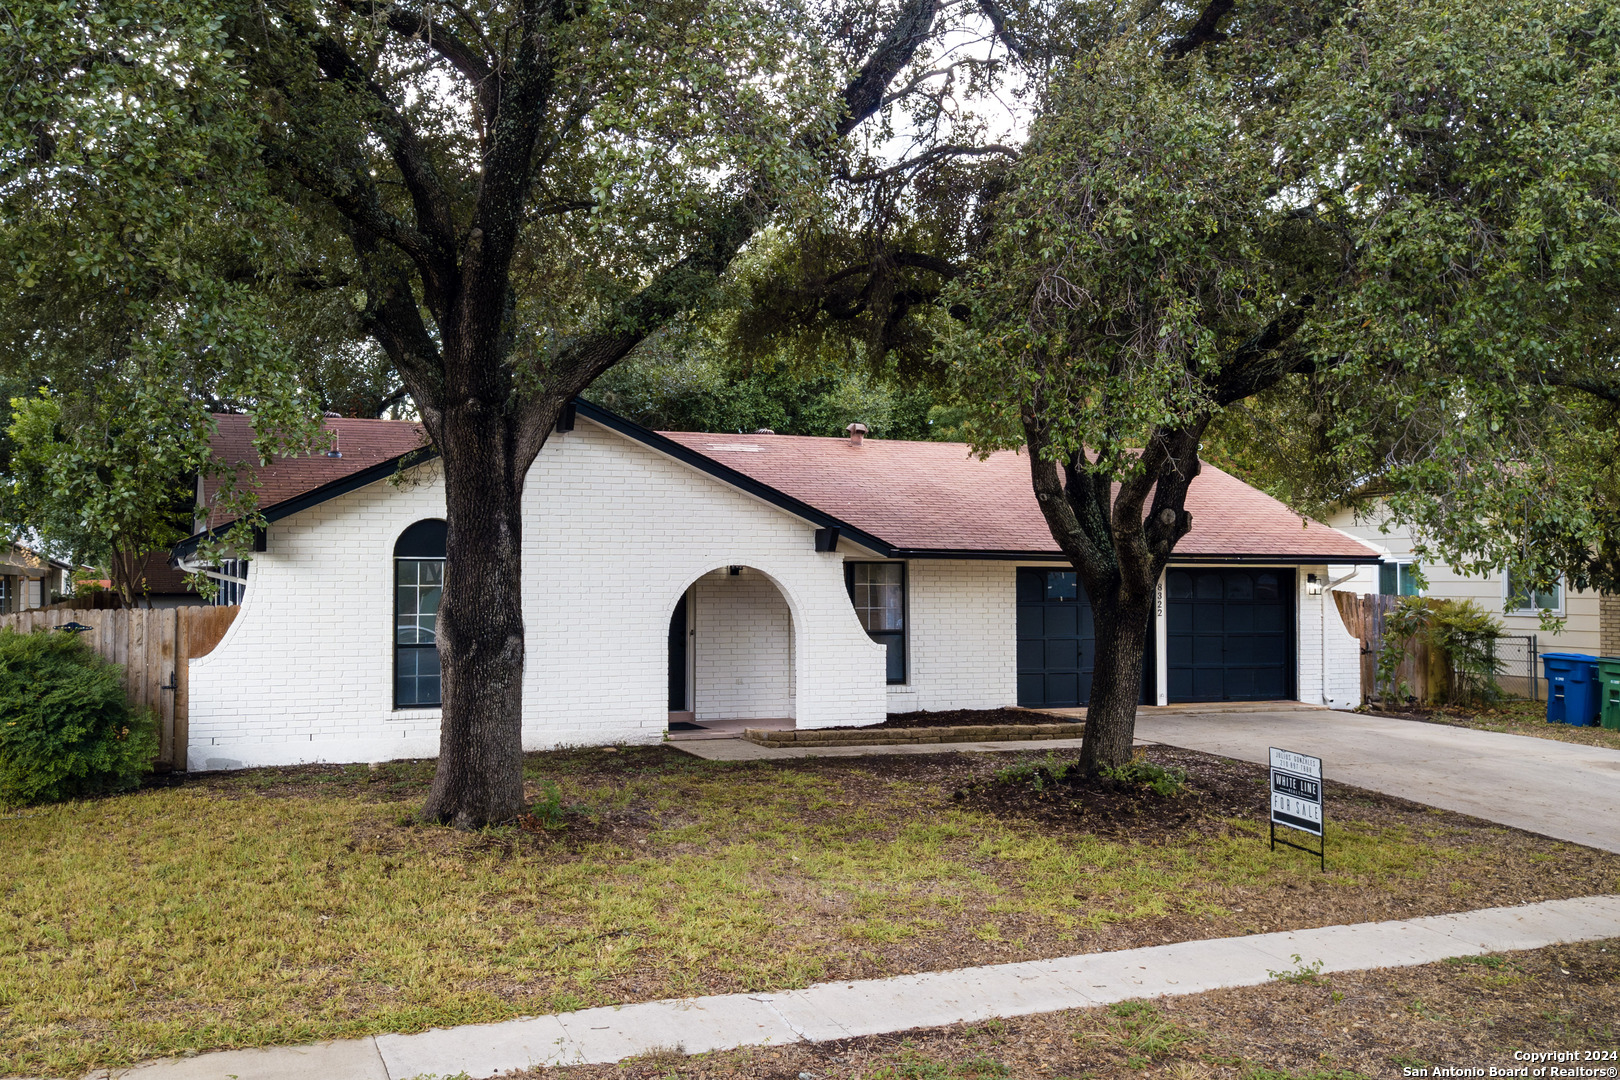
(1230,635)
(1057,644)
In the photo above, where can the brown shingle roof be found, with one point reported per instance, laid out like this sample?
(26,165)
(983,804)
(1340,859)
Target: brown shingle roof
(915,496)
(933,496)
(158,578)
(363,444)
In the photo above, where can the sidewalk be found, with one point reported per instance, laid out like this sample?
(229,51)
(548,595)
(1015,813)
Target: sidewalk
(843,1010)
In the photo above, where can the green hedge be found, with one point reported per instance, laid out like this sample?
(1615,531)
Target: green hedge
(66,729)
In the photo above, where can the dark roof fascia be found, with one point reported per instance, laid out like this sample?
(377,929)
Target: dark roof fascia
(1278,560)
(1175,560)
(742,481)
(314,497)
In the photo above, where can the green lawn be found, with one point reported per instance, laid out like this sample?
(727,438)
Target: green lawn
(280,906)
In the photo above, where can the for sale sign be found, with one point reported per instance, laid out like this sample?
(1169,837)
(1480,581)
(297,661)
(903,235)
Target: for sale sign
(1296,791)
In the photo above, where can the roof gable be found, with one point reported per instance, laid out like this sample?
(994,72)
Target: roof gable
(361,446)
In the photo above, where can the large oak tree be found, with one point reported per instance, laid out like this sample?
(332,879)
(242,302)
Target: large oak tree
(504,197)
(1402,212)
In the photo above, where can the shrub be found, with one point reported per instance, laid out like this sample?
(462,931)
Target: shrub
(66,729)
(1460,631)
(1165,780)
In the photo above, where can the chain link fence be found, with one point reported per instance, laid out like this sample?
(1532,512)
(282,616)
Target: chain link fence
(1519,666)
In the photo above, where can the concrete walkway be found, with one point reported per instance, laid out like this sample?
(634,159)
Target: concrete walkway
(743,750)
(844,1010)
(1563,790)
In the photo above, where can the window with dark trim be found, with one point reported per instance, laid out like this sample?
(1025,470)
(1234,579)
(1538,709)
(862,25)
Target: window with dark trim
(418,588)
(878,591)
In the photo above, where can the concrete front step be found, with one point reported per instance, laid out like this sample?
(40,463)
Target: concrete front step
(913,736)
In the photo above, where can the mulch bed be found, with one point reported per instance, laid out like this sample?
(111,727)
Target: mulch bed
(1218,789)
(1338,1027)
(963,718)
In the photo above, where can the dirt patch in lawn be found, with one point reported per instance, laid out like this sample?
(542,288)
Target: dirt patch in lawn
(1471,1012)
(965,718)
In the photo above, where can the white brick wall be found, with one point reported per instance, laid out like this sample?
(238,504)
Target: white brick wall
(614,534)
(963,637)
(1329,657)
(743,645)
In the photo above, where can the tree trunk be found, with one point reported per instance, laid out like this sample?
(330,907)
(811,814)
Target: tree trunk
(479,780)
(1120,615)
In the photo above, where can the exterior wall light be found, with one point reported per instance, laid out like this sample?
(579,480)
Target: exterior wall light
(1313,586)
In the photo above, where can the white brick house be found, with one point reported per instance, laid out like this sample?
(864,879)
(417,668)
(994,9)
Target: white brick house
(698,577)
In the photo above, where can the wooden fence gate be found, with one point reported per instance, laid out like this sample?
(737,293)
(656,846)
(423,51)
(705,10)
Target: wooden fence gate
(1422,671)
(153,647)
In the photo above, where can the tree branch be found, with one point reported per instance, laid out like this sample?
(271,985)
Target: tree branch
(509,158)
(891,98)
(355,195)
(864,94)
(1246,372)
(472,62)
(1202,32)
(998,21)
(1605,389)
(927,157)
(1057,500)
(433,214)
(677,287)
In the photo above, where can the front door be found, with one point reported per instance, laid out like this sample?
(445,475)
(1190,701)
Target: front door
(677,657)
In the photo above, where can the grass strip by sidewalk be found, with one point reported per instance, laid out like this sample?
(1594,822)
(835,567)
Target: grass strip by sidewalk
(283,906)
(1466,1013)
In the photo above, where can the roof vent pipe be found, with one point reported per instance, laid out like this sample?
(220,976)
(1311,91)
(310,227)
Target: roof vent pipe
(857,432)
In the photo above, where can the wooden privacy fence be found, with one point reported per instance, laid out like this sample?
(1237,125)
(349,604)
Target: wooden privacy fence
(1424,671)
(153,647)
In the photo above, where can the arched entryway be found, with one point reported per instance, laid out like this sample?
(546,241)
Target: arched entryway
(731,654)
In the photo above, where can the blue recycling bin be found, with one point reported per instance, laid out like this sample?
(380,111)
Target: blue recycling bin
(1572,688)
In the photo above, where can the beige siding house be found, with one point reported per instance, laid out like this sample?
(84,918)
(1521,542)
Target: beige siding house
(1591,622)
(29,581)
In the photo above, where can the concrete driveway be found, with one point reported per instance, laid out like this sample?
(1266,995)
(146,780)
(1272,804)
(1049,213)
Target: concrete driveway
(1561,790)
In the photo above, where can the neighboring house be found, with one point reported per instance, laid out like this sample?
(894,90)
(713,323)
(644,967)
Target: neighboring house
(675,576)
(163,586)
(1591,621)
(29,580)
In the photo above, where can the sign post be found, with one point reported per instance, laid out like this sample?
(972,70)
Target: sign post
(1296,799)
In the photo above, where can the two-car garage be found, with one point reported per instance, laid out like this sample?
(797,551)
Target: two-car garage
(1229,635)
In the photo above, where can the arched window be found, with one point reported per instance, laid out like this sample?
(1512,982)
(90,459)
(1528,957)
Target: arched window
(418,585)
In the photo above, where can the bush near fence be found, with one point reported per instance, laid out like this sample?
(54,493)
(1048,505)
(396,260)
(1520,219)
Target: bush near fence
(152,646)
(67,730)
(1425,673)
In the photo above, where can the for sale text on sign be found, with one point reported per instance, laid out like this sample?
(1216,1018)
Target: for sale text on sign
(1296,791)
